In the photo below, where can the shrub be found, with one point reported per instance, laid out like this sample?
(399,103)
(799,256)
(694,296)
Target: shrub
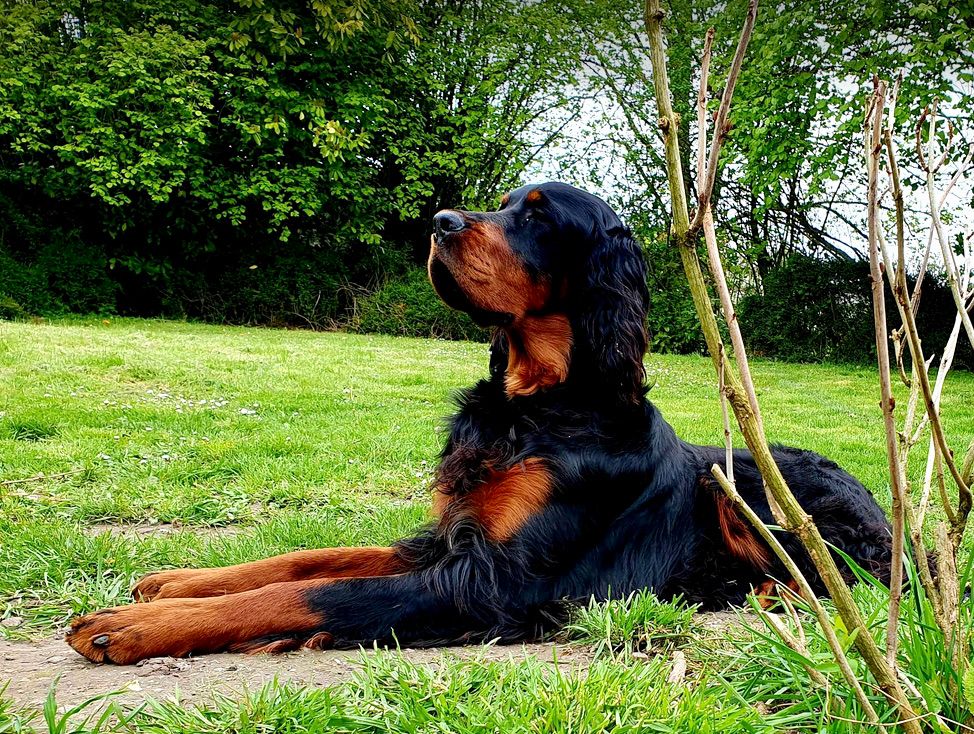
(297,287)
(821,311)
(672,322)
(409,306)
(811,311)
(23,289)
(65,275)
(78,276)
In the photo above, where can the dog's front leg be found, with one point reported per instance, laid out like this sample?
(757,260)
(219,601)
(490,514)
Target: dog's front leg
(325,563)
(276,617)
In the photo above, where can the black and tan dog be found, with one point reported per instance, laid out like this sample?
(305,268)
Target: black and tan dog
(559,480)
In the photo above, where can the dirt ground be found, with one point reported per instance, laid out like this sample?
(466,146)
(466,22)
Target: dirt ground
(31,668)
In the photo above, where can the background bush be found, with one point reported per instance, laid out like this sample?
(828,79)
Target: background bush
(409,306)
(153,151)
(821,311)
(48,268)
(672,323)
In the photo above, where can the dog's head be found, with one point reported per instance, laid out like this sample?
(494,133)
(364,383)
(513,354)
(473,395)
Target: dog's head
(561,276)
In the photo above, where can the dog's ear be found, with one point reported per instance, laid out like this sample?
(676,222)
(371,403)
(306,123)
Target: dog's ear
(611,322)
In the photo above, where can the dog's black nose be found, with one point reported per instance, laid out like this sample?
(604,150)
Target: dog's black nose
(447,221)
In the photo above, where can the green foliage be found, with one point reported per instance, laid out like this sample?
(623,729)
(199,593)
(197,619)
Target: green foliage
(812,311)
(822,56)
(410,307)
(77,276)
(284,27)
(12,719)
(99,713)
(672,321)
(323,134)
(792,178)
(153,152)
(301,286)
(969,686)
(533,696)
(390,693)
(132,114)
(140,109)
(23,290)
(58,273)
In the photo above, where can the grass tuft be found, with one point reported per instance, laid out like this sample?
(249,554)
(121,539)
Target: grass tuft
(639,623)
(12,719)
(763,669)
(391,694)
(28,430)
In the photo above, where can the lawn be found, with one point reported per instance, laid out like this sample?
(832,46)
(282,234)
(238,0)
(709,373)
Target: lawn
(241,443)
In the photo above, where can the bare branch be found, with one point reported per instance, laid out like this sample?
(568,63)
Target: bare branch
(933,450)
(950,263)
(728,438)
(721,126)
(874,147)
(702,109)
(704,216)
(785,506)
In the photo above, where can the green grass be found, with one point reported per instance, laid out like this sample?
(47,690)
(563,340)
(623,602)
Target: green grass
(639,623)
(390,694)
(759,667)
(295,439)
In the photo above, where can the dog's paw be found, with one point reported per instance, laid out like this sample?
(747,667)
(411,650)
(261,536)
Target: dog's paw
(125,635)
(167,584)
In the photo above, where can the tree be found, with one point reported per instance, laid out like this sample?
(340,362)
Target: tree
(183,142)
(791,174)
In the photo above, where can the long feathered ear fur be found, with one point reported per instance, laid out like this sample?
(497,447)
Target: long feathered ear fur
(611,322)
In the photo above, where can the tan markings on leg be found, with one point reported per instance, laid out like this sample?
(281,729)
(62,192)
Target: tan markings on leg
(309,564)
(179,627)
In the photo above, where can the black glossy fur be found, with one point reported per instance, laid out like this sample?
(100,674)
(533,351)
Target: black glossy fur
(632,506)
(559,481)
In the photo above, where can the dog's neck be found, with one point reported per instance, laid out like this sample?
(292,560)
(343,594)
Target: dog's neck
(539,352)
